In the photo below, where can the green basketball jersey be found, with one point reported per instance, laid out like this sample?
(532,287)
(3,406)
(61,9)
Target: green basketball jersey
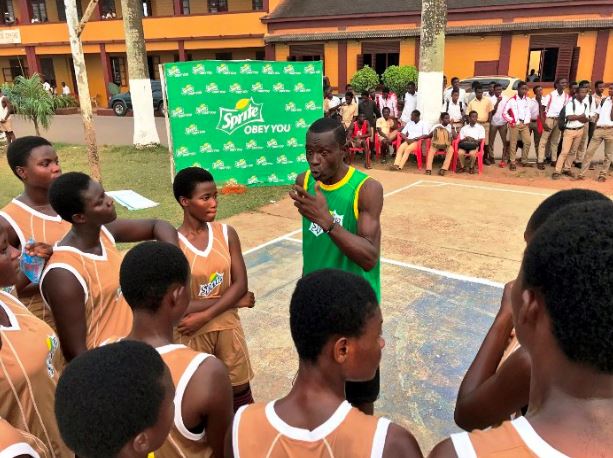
(318,249)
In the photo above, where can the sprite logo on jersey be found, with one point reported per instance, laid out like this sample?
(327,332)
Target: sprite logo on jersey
(215,280)
(245,112)
(316,229)
(52,346)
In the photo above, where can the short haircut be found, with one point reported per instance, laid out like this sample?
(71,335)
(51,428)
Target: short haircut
(497,85)
(107,396)
(521,83)
(326,304)
(584,83)
(323,125)
(569,262)
(349,93)
(65,194)
(365,94)
(455,91)
(18,152)
(455,78)
(385,109)
(471,113)
(478,86)
(598,83)
(558,201)
(538,86)
(187,179)
(411,83)
(148,271)
(443,114)
(573,83)
(416,112)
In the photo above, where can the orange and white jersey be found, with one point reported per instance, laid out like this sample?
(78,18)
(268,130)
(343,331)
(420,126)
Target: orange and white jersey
(512,439)
(258,431)
(28,377)
(15,443)
(32,224)
(107,314)
(211,273)
(183,363)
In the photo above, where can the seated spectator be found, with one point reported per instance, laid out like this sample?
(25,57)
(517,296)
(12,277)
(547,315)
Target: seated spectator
(442,139)
(360,132)
(470,141)
(348,110)
(561,306)
(483,106)
(455,108)
(387,131)
(115,401)
(335,323)
(496,386)
(412,133)
(532,76)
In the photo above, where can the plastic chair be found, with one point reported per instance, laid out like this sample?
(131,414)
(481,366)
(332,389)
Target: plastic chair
(480,151)
(438,152)
(395,144)
(357,149)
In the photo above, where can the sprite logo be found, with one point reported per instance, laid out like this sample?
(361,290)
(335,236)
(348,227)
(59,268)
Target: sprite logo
(232,181)
(236,89)
(229,146)
(206,148)
(272,143)
(272,178)
(253,180)
(311,105)
(245,112)
(222,69)
(219,165)
(301,158)
(283,160)
(309,69)
(179,112)
(279,87)
(292,142)
(197,164)
(215,280)
(268,70)
(174,72)
(212,88)
(202,109)
(241,164)
(252,144)
(247,70)
(292,176)
(198,69)
(300,88)
(301,123)
(192,129)
(290,70)
(184,152)
(189,90)
(262,161)
(291,107)
(258,87)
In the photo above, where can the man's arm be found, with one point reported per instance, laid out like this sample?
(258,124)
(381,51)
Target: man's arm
(65,295)
(138,230)
(400,442)
(209,403)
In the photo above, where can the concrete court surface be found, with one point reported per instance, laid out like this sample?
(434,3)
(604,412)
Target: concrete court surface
(447,248)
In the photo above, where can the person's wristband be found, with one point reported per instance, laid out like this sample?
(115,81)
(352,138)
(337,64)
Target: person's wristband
(332,226)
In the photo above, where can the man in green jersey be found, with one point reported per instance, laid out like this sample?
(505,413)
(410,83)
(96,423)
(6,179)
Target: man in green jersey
(341,228)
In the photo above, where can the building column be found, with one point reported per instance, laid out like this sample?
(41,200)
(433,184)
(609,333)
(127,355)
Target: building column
(32,60)
(182,53)
(342,66)
(25,11)
(505,53)
(269,51)
(178,7)
(106,70)
(600,55)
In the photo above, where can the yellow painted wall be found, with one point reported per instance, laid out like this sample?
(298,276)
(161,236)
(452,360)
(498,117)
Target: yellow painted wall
(272,4)
(518,59)
(354,49)
(281,51)
(222,45)
(461,53)
(331,62)
(61,65)
(12,52)
(162,46)
(407,52)
(240,5)
(95,80)
(51,10)
(163,7)
(608,67)
(587,42)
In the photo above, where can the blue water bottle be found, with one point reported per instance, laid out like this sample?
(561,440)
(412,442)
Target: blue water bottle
(31,266)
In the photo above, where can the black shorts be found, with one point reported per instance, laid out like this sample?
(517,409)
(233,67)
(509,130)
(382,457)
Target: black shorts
(363,392)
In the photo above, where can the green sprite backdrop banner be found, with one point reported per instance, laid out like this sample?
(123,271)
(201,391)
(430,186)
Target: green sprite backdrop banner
(245,121)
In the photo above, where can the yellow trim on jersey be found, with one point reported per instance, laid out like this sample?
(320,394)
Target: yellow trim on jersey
(340,184)
(357,198)
(307,175)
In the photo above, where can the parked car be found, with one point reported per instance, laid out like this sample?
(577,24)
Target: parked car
(121,103)
(509,83)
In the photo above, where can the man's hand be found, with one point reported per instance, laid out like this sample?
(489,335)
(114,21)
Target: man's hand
(192,323)
(42,250)
(247,301)
(314,208)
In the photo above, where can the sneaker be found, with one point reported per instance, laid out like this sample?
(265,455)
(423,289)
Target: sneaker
(471,170)
(540,166)
(512,166)
(568,173)
(580,178)
(555,176)
(602,179)
(592,166)
(442,172)
(486,161)
(428,172)
(461,170)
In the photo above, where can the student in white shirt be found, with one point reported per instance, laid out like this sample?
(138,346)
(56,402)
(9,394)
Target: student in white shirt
(410,103)
(388,100)
(517,114)
(65,89)
(577,116)
(602,133)
(553,104)
(536,118)
(47,86)
(455,84)
(442,139)
(414,131)
(455,107)
(470,141)
(331,103)
(498,125)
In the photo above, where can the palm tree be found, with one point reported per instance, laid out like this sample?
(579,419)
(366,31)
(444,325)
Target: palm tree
(31,101)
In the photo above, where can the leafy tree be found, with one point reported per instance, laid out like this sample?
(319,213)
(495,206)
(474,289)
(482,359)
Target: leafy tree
(364,79)
(31,101)
(397,78)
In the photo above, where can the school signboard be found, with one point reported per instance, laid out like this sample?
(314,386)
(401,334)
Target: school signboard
(245,121)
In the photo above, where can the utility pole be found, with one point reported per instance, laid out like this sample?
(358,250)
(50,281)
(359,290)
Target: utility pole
(85,102)
(145,132)
(432,58)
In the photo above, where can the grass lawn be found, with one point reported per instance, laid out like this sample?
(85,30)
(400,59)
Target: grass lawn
(144,171)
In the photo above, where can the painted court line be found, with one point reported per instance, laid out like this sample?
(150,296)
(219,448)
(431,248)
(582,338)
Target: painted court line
(488,188)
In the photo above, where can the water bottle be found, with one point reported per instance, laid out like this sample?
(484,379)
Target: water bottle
(31,266)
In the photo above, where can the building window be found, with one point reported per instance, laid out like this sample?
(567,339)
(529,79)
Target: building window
(257,5)
(118,70)
(16,68)
(544,62)
(107,9)
(153,62)
(185,4)
(8,11)
(260,55)
(223,56)
(39,11)
(218,6)
(380,61)
(147,8)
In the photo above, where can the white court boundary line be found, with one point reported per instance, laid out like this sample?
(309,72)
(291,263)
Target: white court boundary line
(442,273)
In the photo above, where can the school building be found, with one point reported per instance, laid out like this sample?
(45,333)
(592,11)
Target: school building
(556,38)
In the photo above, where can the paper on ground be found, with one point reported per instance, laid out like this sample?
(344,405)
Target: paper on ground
(131,200)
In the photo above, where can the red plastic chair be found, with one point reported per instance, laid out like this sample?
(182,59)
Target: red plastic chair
(395,144)
(357,149)
(480,151)
(438,152)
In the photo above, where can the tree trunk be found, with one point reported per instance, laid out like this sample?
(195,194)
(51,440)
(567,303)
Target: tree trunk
(145,132)
(85,102)
(36,128)
(432,58)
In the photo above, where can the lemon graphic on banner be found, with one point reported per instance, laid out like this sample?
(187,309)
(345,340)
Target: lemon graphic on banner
(242,104)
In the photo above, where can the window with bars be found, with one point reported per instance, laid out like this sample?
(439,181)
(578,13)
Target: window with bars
(39,11)
(118,70)
(17,67)
(218,6)
(8,11)
(257,5)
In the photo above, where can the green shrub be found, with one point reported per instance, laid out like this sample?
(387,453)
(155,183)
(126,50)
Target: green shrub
(397,78)
(364,79)
(64,101)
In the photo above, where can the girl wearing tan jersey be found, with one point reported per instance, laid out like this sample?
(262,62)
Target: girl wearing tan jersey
(14,443)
